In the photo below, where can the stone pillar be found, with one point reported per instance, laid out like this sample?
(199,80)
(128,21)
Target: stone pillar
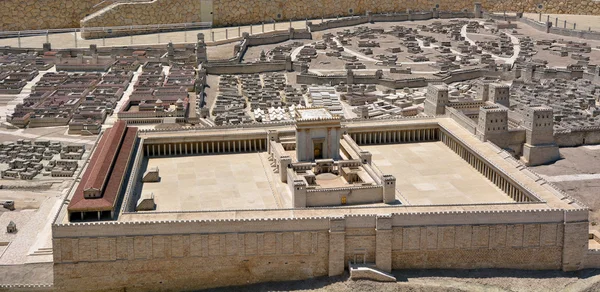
(575,240)
(289,65)
(435,13)
(389,188)
(477,10)
(383,248)
(284,163)
(365,156)
(349,77)
(337,245)
(299,195)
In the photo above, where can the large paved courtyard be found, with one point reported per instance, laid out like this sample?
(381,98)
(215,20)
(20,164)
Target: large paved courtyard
(431,174)
(211,182)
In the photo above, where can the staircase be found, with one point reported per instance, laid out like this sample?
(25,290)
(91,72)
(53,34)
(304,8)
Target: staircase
(369,272)
(111,6)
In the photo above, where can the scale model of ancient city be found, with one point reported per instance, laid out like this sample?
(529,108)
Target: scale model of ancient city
(274,142)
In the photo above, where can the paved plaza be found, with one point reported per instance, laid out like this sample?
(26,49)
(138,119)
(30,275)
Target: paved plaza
(431,174)
(212,182)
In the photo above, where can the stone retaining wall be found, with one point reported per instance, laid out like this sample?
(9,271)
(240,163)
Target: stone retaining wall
(144,13)
(48,14)
(234,12)
(156,256)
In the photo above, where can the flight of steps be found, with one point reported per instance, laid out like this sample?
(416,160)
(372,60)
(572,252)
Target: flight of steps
(369,272)
(113,5)
(42,251)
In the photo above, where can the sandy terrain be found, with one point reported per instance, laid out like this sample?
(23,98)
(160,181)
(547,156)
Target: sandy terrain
(446,280)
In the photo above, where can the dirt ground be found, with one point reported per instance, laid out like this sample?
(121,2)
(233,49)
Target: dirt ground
(446,280)
(577,160)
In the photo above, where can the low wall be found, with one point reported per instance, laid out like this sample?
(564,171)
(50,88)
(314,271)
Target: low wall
(454,76)
(353,195)
(541,26)
(247,68)
(571,138)
(462,120)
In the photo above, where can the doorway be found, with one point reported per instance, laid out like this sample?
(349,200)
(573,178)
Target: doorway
(318,150)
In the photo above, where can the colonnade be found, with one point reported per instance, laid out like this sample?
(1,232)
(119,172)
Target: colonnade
(205,147)
(484,168)
(395,136)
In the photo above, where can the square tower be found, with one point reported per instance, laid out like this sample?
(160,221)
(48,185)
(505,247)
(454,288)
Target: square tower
(318,134)
(539,147)
(492,123)
(539,121)
(436,99)
(201,56)
(499,93)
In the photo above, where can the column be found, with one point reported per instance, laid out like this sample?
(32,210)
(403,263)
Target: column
(212,147)
(185,147)
(169,149)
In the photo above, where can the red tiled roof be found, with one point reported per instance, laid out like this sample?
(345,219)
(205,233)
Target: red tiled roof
(100,170)
(115,173)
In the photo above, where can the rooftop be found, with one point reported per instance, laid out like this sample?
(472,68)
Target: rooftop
(314,113)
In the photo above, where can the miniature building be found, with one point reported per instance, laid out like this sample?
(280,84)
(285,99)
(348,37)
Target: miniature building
(10,205)
(96,195)
(145,202)
(539,147)
(499,93)
(492,124)
(318,133)
(151,175)
(11,227)
(437,98)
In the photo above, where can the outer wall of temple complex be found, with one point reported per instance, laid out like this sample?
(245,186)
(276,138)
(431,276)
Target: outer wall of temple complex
(175,255)
(48,14)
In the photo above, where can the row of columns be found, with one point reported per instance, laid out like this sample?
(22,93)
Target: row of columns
(384,137)
(499,180)
(204,147)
